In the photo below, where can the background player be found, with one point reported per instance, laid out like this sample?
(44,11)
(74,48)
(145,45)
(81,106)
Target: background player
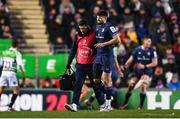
(106,37)
(145,58)
(84,50)
(12,59)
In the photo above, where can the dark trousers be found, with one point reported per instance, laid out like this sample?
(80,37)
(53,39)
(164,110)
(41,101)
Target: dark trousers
(81,72)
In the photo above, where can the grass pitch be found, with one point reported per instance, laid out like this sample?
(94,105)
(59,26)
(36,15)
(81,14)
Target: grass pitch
(94,114)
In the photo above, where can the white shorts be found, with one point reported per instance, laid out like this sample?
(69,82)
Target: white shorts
(8,78)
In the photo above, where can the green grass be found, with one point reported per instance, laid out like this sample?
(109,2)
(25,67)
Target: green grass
(94,114)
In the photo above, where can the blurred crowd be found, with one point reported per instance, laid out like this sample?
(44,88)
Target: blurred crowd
(158,19)
(6,31)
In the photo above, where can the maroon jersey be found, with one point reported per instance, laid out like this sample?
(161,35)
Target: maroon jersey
(85,48)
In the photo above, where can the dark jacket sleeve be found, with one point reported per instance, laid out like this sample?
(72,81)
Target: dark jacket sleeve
(72,52)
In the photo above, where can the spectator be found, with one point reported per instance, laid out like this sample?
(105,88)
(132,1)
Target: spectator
(171,65)
(174,84)
(6,32)
(157,7)
(110,4)
(158,80)
(28,83)
(155,23)
(141,29)
(66,4)
(131,33)
(127,15)
(121,6)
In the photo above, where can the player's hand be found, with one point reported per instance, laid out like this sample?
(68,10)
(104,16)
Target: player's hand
(99,45)
(140,66)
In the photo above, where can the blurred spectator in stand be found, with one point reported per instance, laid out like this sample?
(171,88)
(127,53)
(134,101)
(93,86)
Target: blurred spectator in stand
(132,35)
(68,17)
(110,4)
(113,16)
(141,29)
(175,33)
(51,11)
(176,6)
(158,80)
(56,29)
(176,51)
(162,35)
(45,83)
(166,6)
(136,6)
(127,16)
(121,6)
(171,65)
(155,23)
(6,32)
(71,37)
(64,4)
(157,7)
(174,83)
(91,17)
(28,83)
(176,45)
(55,83)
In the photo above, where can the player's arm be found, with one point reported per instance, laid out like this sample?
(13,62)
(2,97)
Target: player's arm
(72,54)
(128,62)
(1,66)
(116,64)
(116,38)
(20,64)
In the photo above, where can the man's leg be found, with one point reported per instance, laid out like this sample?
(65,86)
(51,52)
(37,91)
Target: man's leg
(145,80)
(1,91)
(80,77)
(131,86)
(14,96)
(109,90)
(97,74)
(98,92)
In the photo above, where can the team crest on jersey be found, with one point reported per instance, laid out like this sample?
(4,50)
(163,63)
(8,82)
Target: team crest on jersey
(148,53)
(139,53)
(103,30)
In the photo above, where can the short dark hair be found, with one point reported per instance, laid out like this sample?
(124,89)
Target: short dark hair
(145,37)
(14,43)
(102,13)
(83,22)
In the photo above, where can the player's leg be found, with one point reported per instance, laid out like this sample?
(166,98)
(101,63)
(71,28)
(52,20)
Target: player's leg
(84,92)
(3,83)
(97,74)
(13,83)
(1,91)
(80,77)
(15,90)
(144,84)
(108,63)
(90,100)
(131,86)
(98,91)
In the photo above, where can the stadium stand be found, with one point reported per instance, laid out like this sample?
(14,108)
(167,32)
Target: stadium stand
(49,26)
(27,22)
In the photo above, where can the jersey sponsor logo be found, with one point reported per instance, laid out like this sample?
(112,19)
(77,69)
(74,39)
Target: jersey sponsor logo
(85,51)
(143,58)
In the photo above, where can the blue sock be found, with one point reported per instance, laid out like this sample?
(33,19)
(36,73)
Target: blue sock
(108,93)
(101,86)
